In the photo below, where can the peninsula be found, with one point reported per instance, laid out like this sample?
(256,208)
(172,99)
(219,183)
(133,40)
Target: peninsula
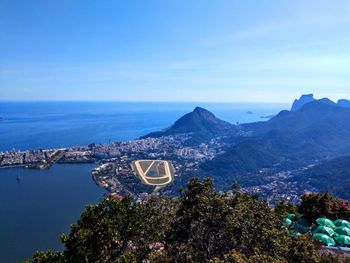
(273,158)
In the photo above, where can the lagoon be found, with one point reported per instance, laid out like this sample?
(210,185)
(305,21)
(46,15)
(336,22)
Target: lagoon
(37,210)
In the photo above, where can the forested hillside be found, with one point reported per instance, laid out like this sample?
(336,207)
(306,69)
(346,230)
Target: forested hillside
(200,226)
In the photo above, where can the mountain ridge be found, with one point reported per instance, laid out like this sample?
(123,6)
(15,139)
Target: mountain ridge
(299,103)
(344,103)
(309,114)
(331,175)
(201,123)
(319,130)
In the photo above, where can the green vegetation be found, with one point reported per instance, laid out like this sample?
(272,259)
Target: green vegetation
(331,175)
(314,206)
(200,226)
(318,131)
(313,209)
(201,124)
(154,172)
(157,181)
(145,164)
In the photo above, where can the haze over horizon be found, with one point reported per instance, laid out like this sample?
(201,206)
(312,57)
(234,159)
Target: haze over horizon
(191,51)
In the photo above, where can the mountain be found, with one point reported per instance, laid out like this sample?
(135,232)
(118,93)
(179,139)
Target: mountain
(299,103)
(344,103)
(319,130)
(275,150)
(317,112)
(331,175)
(201,123)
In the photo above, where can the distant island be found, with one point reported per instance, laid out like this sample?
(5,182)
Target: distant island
(268,116)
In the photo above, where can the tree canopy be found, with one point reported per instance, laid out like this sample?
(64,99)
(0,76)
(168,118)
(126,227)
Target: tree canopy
(201,225)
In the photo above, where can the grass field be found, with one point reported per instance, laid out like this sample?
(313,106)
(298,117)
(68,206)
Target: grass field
(154,172)
(144,165)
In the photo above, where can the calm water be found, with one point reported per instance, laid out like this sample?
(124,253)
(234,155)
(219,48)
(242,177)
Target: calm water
(58,124)
(37,210)
(34,212)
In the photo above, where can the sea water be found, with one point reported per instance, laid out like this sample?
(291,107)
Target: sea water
(35,211)
(34,125)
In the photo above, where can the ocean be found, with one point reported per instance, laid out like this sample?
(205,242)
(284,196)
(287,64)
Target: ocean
(34,125)
(35,211)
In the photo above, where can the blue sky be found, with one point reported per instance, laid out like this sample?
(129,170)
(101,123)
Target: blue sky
(247,51)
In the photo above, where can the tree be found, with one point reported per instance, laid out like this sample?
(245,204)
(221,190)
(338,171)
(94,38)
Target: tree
(329,258)
(232,257)
(209,226)
(198,231)
(314,206)
(47,257)
(283,209)
(108,231)
(303,250)
(200,226)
